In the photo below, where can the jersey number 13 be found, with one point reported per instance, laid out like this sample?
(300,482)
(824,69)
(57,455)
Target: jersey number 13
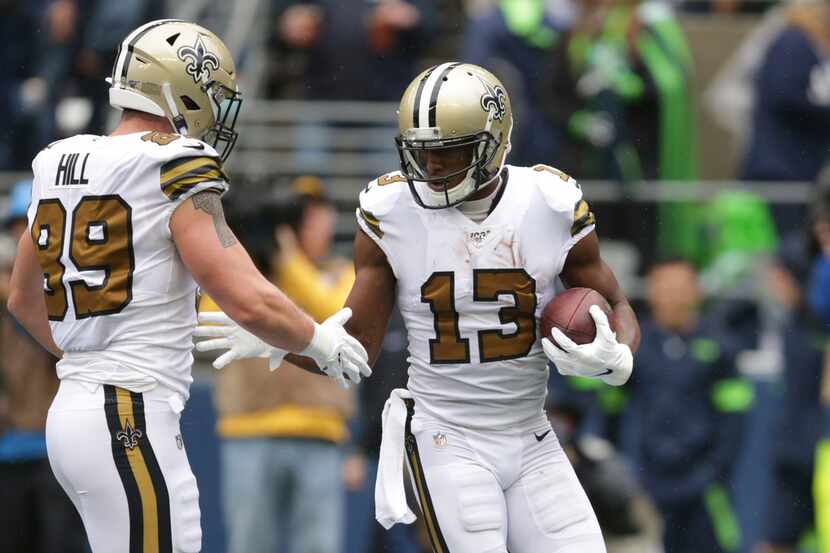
(493,344)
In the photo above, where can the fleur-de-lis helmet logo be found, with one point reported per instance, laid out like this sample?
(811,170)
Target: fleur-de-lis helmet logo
(494,100)
(200,61)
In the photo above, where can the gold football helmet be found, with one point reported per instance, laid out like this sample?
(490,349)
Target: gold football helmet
(181,71)
(459,111)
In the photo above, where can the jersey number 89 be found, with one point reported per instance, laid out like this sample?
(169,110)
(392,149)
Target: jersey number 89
(100,234)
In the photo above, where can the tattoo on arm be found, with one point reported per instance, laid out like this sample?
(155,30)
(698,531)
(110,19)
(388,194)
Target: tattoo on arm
(210,203)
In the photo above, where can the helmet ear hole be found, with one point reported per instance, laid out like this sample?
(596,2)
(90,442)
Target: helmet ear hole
(189,103)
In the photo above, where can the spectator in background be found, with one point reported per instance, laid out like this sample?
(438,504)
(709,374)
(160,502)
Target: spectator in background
(620,85)
(19,91)
(281,431)
(685,415)
(107,25)
(819,302)
(58,53)
(522,35)
(790,135)
(629,522)
(37,516)
(724,6)
(789,509)
(331,50)
(55,46)
(356,49)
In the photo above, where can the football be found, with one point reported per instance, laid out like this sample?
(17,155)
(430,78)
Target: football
(568,311)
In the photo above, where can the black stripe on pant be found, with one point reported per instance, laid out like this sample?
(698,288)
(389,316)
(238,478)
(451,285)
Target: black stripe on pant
(439,545)
(147,497)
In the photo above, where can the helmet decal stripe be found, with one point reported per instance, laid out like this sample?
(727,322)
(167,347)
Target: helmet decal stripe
(122,52)
(433,99)
(426,99)
(126,48)
(417,102)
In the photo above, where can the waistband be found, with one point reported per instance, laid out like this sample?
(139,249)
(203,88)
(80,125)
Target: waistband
(421,413)
(80,394)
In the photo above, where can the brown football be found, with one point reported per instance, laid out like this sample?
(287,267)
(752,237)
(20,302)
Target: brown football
(568,311)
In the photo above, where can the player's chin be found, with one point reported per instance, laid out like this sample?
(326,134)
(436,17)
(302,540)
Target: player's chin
(445,185)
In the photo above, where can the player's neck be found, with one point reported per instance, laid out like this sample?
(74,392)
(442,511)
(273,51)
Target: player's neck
(136,121)
(487,190)
(478,209)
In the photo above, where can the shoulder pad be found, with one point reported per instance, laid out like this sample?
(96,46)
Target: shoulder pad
(165,146)
(560,191)
(186,164)
(35,161)
(70,141)
(563,195)
(378,199)
(380,195)
(54,143)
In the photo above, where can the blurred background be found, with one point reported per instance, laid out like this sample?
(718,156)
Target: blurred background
(699,130)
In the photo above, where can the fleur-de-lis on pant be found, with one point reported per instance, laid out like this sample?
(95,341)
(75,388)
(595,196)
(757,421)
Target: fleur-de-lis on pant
(129,436)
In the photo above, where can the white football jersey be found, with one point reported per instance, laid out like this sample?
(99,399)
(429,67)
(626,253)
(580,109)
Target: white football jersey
(471,293)
(121,303)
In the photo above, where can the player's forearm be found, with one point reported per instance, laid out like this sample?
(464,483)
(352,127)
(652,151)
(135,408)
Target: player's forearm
(27,302)
(370,335)
(372,308)
(271,316)
(34,320)
(626,325)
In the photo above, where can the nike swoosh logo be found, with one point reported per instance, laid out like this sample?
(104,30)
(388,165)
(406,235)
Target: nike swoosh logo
(542,437)
(603,373)
(195,146)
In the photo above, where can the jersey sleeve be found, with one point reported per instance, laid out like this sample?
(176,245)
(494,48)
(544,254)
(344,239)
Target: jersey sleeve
(190,167)
(185,167)
(563,196)
(374,212)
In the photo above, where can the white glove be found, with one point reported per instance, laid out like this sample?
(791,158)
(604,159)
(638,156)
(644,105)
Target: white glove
(604,358)
(241,344)
(336,352)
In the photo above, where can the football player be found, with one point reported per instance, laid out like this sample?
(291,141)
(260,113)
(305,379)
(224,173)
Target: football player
(472,249)
(119,228)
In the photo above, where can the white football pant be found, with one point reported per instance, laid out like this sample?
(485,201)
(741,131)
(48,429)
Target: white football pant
(498,491)
(119,456)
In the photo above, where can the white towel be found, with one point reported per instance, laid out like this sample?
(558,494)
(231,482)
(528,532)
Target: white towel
(390,495)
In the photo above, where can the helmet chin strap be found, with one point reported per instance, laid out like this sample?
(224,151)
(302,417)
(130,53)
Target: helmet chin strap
(462,190)
(446,198)
(177,118)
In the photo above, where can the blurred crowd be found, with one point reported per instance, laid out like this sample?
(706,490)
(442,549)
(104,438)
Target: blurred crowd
(721,441)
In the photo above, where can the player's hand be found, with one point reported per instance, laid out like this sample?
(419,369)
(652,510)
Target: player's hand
(604,358)
(224,333)
(336,352)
